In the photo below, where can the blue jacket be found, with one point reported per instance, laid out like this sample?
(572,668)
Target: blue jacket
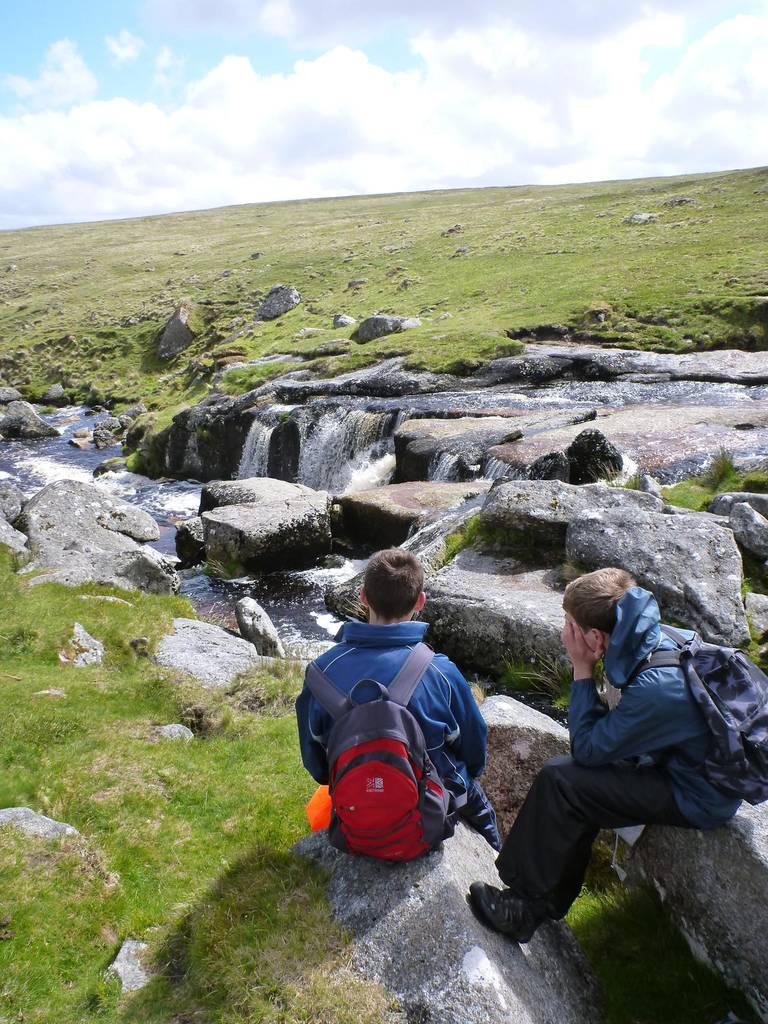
(656,720)
(443,704)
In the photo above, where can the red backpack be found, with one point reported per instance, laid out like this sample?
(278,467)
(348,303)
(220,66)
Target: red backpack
(387,799)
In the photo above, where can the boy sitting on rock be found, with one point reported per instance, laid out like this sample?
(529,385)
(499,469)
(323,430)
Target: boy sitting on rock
(442,703)
(638,764)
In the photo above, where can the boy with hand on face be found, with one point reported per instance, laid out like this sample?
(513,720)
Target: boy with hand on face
(374,652)
(640,763)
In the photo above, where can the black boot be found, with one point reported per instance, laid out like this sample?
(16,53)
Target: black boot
(504,912)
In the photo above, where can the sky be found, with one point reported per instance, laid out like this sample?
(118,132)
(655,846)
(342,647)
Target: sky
(138,107)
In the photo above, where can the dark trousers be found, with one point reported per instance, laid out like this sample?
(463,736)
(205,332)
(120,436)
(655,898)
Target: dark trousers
(546,853)
(480,815)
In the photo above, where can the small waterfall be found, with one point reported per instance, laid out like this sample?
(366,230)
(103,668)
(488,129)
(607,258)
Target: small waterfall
(372,474)
(341,443)
(253,461)
(445,466)
(495,469)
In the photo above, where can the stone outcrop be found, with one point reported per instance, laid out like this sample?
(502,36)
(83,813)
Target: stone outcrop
(175,731)
(386,515)
(540,510)
(520,742)
(693,568)
(20,422)
(484,612)
(257,627)
(343,320)
(279,300)
(82,649)
(278,532)
(388,379)
(206,652)
(463,971)
(24,819)
(716,885)
(78,534)
(450,449)
(380,325)
(177,335)
(129,966)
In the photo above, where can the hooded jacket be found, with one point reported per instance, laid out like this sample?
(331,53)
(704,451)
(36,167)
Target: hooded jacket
(657,720)
(442,704)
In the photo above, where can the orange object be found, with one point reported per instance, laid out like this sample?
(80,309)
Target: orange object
(318,810)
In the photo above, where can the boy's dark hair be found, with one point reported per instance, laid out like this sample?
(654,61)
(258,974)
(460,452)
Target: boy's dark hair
(591,599)
(393,581)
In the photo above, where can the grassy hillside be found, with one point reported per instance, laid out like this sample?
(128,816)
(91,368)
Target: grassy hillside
(84,303)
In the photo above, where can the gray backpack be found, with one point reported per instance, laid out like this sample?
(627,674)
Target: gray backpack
(387,799)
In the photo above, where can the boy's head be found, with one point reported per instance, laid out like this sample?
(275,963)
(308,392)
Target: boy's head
(591,600)
(393,586)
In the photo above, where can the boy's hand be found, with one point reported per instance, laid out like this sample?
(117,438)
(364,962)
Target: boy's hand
(582,655)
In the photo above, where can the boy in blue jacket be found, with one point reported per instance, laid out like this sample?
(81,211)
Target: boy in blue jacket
(638,764)
(442,704)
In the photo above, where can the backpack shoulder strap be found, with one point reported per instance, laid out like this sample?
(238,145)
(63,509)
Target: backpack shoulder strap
(325,692)
(659,659)
(674,634)
(402,687)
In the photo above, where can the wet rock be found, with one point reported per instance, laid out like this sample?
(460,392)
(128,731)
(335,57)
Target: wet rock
(108,432)
(128,966)
(206,441)
(279,300)
(723,504)
(277,533)
(26,820)
(385,380)
(206,652)
(21,422)
(380,325)
(14,540)
(694,569)
(528,368)
(8,395)
(715,884)
(79,534)
(485,612)
(11,501)
(592,457)
(177,334)
(257,627)
(452,449)
(55,395)
(343,320)
(386,515)
(520,742)
(190,541)
(757,613)
(82,649)
(540,511)
(552,466)
(250,491)
(117,464)
(750,529)
(81,443)
(463,971)
(175,731)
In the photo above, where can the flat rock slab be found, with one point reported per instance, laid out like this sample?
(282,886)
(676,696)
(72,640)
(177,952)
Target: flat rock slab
(665,440)
(693,568)
(385,380)
(415,935)
(520,742)
(542,509)
(716,885)
(450,449)
(26,820)
(484,612)
(206,652)
(128,966)
(385,516)
(250,491)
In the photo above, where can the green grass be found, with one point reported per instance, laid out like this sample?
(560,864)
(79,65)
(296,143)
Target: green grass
(87,302)
(697,492)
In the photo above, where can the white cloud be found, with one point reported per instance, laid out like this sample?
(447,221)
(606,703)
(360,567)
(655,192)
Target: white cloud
(125,47)
(64,79)
(490,105)
(168,68)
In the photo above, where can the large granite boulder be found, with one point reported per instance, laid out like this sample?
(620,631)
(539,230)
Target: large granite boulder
(380,325)
(452,449)
(208,653)
(279,300)
(251,491)
(484,612)
(542,509)
(693,568)
(275,533)
(716,886)
(8,395)
(415,934)
(79,534)
(21,422)
(257,627)
(55,395)
(722,504)
(592,457)
(190,541)
(520,742)
(177,335)
(385,516)
(750,529)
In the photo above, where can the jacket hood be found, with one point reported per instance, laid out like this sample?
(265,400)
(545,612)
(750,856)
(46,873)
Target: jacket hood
(636,635)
